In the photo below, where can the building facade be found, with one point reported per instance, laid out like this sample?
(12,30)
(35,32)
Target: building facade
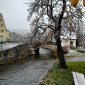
(4,33)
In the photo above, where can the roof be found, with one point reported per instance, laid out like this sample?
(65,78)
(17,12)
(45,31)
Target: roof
(69,35)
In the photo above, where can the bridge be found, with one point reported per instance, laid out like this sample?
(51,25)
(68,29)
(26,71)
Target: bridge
(48,45)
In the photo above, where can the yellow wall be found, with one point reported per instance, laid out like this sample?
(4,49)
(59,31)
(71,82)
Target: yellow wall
(7,34)
(4,34)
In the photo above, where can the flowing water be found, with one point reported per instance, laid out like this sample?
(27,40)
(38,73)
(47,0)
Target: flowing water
(29,71)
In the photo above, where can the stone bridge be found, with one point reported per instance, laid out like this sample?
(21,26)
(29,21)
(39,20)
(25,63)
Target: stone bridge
(47,45)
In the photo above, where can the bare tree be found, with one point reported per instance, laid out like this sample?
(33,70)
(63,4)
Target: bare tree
(15,37)
(80,36)
(50,14)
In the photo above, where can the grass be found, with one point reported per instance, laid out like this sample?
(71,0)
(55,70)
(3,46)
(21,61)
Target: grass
(77,66)
(74,53)
(56,76)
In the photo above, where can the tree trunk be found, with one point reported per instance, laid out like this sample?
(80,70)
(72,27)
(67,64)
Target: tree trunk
(37,51)
(62,63)
(77,43)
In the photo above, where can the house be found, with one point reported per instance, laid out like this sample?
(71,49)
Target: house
(67,39)
(4,33)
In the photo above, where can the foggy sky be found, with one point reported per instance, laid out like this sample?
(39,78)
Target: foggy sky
(15,15)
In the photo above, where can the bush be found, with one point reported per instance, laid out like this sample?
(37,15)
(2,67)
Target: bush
(65,49)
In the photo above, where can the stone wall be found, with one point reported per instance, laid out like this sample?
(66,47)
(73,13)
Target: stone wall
(15,52)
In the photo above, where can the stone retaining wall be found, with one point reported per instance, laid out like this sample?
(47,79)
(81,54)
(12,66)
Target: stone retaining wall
(15,52)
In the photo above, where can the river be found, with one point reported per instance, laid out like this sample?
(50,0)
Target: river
(29,71)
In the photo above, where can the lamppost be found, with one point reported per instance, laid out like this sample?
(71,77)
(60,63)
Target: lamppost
(1,43)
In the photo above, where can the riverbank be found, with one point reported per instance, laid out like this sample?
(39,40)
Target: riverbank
(56,76)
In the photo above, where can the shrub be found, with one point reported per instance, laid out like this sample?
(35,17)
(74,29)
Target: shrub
(65,49)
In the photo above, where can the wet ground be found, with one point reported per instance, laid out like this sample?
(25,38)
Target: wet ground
(29,71)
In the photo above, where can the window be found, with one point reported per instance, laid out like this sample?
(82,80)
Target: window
(1,25)
(1,36)
(71,42)
(66,40)
(2,30)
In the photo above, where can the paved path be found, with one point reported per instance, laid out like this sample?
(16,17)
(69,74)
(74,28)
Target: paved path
(82,58)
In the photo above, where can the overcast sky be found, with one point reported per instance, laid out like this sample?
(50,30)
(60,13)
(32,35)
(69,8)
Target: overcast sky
(15,15)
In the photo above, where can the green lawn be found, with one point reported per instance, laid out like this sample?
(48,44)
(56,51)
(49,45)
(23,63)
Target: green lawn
(74,53)
(56,76)
(77,66)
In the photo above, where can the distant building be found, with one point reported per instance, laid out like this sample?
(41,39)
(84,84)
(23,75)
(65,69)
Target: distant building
(4,33)
(66,40)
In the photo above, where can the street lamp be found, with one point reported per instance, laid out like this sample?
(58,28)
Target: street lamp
(1,43)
